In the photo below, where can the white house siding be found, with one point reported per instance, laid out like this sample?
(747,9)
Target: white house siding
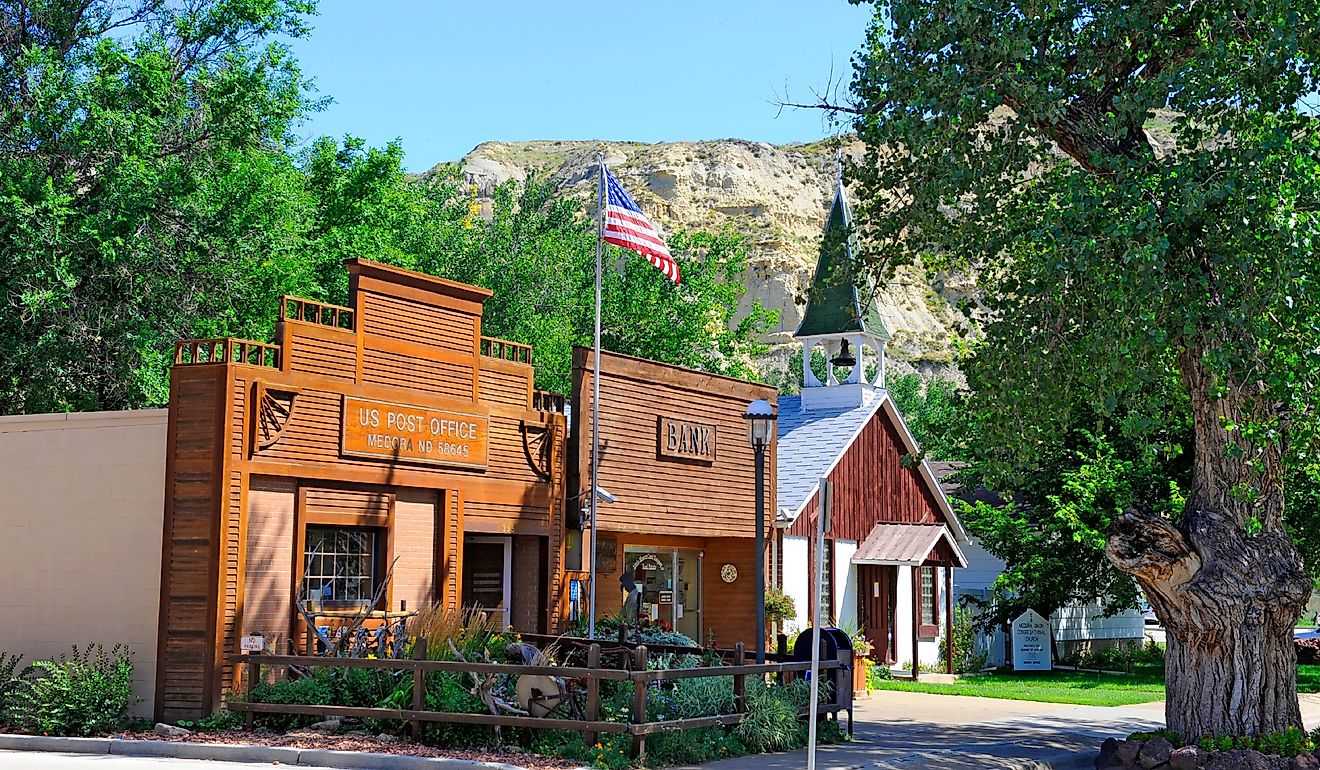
(796,581)
(845,583)
(1081,622)
(1073,623)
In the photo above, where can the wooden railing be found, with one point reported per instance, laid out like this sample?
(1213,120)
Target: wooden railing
(493,347)
(311,311)
(545,401)
(226,350)
(592,674)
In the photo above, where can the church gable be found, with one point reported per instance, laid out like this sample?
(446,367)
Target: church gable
(872,484)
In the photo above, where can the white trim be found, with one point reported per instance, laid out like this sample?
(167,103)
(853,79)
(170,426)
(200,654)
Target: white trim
(507,542)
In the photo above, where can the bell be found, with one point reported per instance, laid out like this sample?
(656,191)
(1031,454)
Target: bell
(845,358)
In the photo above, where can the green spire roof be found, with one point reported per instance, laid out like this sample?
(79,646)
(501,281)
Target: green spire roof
(840,301)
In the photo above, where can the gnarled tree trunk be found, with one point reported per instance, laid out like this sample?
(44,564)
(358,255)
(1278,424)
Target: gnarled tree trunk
(1227,582)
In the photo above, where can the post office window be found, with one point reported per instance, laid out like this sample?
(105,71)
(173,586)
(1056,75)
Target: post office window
(341,566)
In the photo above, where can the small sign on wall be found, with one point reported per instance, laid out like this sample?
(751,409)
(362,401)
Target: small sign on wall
(252,643)
(1031,643)
(680,439)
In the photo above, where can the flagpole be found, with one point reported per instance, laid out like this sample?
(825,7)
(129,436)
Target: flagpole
(595,389)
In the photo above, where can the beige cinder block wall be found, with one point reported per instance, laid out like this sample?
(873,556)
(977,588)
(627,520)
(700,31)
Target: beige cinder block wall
(82,498)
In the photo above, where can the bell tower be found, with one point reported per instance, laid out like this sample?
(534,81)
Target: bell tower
(842,317)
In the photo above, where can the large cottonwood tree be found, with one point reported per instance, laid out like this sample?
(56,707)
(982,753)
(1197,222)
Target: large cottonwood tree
(1137,183)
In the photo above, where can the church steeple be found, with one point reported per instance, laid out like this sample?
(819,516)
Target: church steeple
(841,306)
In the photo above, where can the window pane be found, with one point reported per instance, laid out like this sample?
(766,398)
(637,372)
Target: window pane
(928,596)
(340,564)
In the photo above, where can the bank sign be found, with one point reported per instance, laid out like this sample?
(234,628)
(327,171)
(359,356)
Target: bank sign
(685,440)
(416,434)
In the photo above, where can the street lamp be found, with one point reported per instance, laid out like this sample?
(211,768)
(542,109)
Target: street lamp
(760,432)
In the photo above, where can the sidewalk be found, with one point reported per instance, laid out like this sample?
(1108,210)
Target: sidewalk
(952,732)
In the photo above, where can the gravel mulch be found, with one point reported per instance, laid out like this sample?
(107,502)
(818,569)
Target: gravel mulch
(306,739)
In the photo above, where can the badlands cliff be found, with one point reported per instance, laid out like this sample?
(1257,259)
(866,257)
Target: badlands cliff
(777,196)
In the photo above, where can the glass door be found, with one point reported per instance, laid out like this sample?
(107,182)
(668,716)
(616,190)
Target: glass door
(670,584)
(487,564)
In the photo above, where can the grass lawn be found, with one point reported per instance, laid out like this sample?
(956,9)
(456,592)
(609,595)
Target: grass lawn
(1308,679)
(1084,688)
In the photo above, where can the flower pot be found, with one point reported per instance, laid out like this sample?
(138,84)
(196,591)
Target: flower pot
(861,676)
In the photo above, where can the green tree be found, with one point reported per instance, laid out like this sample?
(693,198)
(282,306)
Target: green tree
(144,196)
(1137,185)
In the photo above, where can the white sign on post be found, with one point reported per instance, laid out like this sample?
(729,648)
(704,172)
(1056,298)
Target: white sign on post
(252,643)
(1031,643)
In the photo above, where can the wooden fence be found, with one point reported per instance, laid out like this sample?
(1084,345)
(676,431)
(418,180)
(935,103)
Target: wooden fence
(638,725)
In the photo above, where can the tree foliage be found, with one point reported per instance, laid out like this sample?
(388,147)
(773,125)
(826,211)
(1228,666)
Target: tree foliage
(142,187)
(1137,186)
(152,189)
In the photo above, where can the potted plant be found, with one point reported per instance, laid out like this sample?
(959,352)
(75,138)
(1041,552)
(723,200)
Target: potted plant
(862,649)
(778,608)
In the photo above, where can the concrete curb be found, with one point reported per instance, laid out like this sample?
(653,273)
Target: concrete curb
(1063,760)
(233,752)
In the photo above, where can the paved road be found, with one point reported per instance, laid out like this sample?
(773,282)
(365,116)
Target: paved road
(912,731)
(38,760)
(918,731)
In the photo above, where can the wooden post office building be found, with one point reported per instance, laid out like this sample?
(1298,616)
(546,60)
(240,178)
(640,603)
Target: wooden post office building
(385,439)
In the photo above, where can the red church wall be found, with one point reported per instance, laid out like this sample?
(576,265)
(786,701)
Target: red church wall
(872,485)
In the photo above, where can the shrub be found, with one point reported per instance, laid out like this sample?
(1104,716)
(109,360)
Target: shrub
(966,657)
(1308,651)
(87,692)
(11,679)
(772,716)
(315,689)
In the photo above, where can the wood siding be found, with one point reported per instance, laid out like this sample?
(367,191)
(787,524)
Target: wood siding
(872,485)
(665,495)
(191,545)
(230,546)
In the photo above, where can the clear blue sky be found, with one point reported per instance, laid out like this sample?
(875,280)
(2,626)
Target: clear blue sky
(445,76)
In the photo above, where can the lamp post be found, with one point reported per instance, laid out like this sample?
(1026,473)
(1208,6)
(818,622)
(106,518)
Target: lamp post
(760,431)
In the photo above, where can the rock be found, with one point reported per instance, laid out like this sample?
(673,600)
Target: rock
(1155,752)
(1187,758)
(779,198)
(356,734)
(1304,762)
(387,738)
(170,731)
(1127,752)
(330,725)
(1238,759)
(1115,753)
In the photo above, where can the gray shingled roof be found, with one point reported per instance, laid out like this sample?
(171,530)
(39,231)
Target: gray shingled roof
(810,443)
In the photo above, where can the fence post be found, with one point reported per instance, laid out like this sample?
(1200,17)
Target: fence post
(781,653)
(639,704)
(250,686)
(593,693)
(739,680)
(419,686)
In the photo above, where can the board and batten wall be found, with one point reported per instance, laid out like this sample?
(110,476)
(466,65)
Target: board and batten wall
(80,519)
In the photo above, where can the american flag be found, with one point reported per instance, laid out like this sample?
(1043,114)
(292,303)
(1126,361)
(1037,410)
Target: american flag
(627,226)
